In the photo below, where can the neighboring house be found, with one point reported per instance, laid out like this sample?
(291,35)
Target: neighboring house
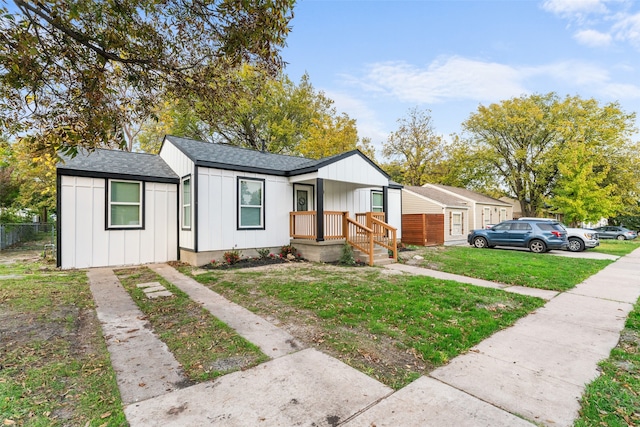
(463,210)
(517,209)
(220,198)
(453,225)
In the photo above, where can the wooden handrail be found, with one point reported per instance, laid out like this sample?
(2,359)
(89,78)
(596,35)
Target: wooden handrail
(338,225)
(385,236)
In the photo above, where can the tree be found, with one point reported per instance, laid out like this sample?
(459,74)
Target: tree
(171,118)
(548,151)
(274,114)
(36,173)
(416,146)
(63,65)
(9,186)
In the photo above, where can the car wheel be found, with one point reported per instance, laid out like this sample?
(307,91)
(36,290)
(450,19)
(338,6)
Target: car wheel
(480,242)
(619,237)
(537,246)
(576,245)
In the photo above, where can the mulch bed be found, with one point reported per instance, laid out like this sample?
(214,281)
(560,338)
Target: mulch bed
(250,262)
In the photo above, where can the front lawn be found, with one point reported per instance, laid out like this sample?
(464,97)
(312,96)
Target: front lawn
(616,247)
(392,327)
(613,399)
(54,366)
(508,266)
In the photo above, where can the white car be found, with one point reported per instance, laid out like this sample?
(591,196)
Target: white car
(579,238)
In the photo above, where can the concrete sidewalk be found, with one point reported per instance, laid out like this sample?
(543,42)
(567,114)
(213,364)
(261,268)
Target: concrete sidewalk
(535,370)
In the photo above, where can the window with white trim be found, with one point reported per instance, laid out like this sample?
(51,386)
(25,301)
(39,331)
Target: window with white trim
(377,201)
(186,202)
(503,214)
(125,204)
(250,203)
(486,216)
(456,223)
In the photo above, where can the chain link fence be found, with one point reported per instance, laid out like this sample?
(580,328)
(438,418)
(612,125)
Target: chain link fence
(28,236)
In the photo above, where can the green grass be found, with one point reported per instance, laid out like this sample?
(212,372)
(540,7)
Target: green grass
(203,345)
(615,247)
(512,267)
(54,366)
(351,310)
(613,399)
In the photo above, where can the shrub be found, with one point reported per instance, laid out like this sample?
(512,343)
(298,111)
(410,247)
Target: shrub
(346,258)
(289,250)
(263,253)
(232,257)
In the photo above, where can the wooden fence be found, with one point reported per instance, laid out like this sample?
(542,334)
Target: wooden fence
(423,229)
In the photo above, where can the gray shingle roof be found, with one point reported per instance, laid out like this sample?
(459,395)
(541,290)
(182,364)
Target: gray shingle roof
(439,196)
(235,158)
(207,154)
(477,197)
(117,163)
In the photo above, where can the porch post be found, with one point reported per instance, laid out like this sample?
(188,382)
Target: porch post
(385,203)
(319,209)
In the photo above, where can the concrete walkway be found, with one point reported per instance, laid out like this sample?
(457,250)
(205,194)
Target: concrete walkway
(533,372)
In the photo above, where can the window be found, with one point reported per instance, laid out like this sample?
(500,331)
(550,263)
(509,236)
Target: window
(250,203)
(124,204)
(186,202)
(486,216)
(503,214)
(456,223)
(377,201)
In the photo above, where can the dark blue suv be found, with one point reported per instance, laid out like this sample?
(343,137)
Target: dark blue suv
(537,235)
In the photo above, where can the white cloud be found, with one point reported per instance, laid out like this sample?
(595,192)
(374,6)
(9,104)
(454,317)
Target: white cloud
(593,38)
(369,125)
(628,29)
(457,78)
(446,79)
(575,8)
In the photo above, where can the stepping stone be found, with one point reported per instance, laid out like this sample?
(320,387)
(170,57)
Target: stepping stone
(158,294)
(149,285)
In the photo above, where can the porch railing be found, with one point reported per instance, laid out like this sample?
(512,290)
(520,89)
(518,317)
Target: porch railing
(363,233)
(303,224)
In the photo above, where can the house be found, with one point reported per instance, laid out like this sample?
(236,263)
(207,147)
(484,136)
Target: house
(216,198)
(447,214)
(517,209)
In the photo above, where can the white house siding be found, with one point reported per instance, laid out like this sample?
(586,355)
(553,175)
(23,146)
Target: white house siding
(182,166)
(217,211)
(84,242)
(353,169)
(394,204)
(343,196)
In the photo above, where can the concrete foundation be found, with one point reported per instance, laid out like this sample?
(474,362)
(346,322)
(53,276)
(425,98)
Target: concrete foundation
(326,251)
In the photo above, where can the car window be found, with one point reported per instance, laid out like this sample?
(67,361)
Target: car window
(521,226)
(502,227)
(548,227)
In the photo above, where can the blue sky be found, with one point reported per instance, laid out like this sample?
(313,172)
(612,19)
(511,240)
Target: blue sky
(378,59)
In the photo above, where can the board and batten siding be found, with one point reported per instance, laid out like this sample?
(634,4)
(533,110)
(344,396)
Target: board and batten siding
(353,169)
(344,196)
(218,210)
(394,204)
(84,241)
(182,166)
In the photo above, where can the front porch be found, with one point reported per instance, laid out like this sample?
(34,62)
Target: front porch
(321,237)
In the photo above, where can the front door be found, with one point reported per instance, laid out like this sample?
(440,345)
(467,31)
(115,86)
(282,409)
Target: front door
(304,198)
